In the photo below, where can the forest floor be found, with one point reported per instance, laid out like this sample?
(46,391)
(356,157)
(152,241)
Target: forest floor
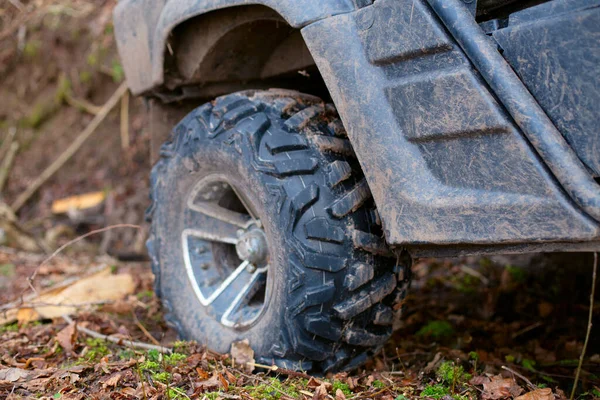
(489,328)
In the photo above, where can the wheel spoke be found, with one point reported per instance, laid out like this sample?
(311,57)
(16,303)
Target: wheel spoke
(206,227)
(223,214)
(257,281)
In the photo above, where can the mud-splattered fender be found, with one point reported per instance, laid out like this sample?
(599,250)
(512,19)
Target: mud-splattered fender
(142,28)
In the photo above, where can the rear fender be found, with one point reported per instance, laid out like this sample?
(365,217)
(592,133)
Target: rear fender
(143,26)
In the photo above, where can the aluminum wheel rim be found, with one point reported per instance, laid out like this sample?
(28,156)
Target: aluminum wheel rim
(220,225)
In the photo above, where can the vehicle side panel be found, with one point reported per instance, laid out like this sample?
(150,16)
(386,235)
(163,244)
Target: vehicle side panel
(445,162)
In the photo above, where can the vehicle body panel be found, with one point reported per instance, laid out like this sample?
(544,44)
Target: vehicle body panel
(460,157)
(143,26)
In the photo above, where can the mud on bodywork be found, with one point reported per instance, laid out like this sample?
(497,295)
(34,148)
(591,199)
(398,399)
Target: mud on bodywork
(467,160)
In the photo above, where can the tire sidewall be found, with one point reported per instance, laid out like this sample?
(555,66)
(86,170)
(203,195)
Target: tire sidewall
(191,162)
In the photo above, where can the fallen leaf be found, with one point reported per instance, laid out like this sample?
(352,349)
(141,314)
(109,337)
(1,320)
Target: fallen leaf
(339,395)
(202,373)
(223,382)
(13,374)
(67,337)
(80,202)
(100,287)
(539,394)
(500,388)
(242,354)
(113,380)
(320,392)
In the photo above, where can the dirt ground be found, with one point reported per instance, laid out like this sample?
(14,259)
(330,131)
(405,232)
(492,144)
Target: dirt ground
(489,328)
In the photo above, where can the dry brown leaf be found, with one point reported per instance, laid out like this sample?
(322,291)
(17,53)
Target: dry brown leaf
(500,388)
(242,354)
(13,374)
(202,373)
(96,288)
(80,202)
(67,337)
(320,392)
(539,394)
(223,382)
(113,380)
(339,395)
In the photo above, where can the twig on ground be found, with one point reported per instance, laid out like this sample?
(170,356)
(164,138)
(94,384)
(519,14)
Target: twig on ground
(589,327)
(512,371)
(475,273)
(7,142)
(283,371)
(144,330)
(125,120)
(82,104)
(71,150)
(116,340)
(31,278)
(7,163)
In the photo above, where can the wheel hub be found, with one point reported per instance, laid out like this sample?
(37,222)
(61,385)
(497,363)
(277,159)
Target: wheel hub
(226,252)
(252,247)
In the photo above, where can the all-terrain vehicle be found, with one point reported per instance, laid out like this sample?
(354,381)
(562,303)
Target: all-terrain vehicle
(398,129)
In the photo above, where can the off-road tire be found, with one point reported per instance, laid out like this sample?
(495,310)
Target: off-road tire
(339,289)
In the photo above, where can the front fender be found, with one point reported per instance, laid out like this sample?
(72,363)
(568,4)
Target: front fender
(142,28)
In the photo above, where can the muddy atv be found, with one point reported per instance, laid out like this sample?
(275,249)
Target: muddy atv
(398,129)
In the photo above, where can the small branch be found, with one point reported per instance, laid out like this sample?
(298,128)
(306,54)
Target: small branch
(7,163)
(589,327)
(116,340)
(7,142)
(82,104)
(144,330)
(512,371)
(71,150)
(125,121)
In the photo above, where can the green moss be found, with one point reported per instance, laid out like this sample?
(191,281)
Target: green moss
(40,113)
(466,284)
(14,327)
(341,386)
(145,295)
(528,364)
(272,390)
(63,89)
(439,391)
(153,355)
(378,384)
(517,274)
(163,377)
(7,270)
(453,374)
(401,397)
(436,330)
(85,77)
(117,71)
(92,59)
(473,355)
(175,358)
(32,48)
(435,391)
(126,354)
(96,349)
(149,366)
(211,395)
(509,358)
(182,346)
